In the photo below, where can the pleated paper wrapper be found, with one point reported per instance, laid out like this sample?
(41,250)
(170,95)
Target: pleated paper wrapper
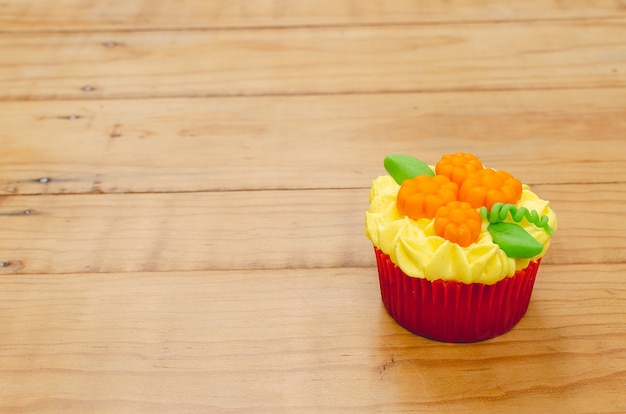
(451,311)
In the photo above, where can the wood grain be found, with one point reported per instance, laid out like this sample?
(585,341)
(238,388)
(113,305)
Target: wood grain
(253,230)
(183,187)
(562,54)
(291,341)
(213,144)
(71,15)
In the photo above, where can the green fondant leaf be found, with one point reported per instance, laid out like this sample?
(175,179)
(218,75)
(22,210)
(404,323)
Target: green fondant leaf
(514,240)
(402,167)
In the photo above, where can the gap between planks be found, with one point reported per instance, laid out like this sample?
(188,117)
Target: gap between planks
(305,94)
(313,26)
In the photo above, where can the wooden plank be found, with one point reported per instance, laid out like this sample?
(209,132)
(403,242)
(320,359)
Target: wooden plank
(250,143)
(332,60)
(65,15)
(295,341)
(253,230)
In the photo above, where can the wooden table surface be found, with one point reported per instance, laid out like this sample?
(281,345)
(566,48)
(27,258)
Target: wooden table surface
(183,188)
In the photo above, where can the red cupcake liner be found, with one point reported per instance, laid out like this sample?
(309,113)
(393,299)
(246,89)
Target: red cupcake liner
(451,311)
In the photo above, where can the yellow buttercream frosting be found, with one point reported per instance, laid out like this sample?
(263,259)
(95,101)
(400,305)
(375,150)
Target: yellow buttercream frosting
(414,247)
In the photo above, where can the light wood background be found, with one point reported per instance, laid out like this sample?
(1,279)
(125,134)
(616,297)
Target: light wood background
(183,187)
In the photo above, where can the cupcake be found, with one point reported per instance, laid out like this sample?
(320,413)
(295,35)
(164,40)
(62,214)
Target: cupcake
(457,245)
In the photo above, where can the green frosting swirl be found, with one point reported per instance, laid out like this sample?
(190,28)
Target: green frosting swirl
(499,212)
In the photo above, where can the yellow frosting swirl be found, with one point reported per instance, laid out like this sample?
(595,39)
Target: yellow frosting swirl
(419,252)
